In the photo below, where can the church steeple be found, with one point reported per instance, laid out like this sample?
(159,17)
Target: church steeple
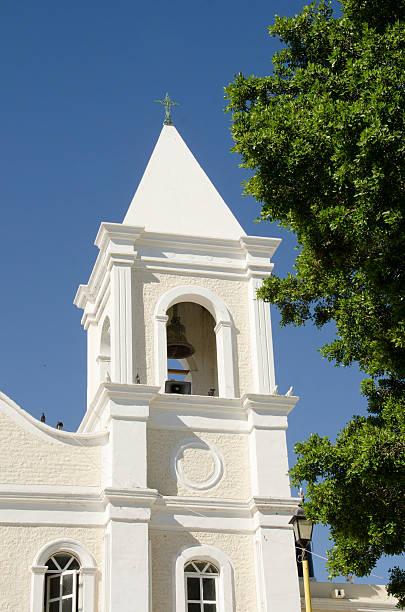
(175,196)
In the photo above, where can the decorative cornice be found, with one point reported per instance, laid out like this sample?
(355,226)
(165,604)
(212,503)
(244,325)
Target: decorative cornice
(195,402)
(128,396)
(118,231)
(69,505)
(132,497)
(172,411)
(286,504)
(268,403)
(226,506)
(221,515)
(48,493)
(262,244)
(86,504)
(238,259)
(71,494)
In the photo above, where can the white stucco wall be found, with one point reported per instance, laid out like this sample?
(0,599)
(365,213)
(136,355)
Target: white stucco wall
(26,458)
(356,597)
(150,286)
(233,448)
(239,549)
(20,544)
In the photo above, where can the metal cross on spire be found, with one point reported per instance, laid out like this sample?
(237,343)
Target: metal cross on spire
(168,104)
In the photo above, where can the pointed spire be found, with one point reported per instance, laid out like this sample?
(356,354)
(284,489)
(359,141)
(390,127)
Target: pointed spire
(175,196)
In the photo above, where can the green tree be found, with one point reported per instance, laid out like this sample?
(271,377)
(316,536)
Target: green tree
(323,138)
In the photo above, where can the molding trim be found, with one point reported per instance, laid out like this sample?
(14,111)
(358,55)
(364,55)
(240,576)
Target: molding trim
(128,396)
(240,258)
(74,547)
(221,515)
(33,426)
(352,605)
(167,411)
(78,506)
(196,294)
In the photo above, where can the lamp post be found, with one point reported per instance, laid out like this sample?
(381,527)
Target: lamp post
(303,534)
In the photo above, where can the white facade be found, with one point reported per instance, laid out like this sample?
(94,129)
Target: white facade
(154,481)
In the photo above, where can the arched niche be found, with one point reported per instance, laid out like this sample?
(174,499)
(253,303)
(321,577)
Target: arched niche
(202,365)
(224,332)
(104,356)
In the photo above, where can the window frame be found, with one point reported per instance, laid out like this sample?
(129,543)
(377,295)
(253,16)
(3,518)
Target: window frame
(61,573)
(86,590)
(225,580)
(200,575)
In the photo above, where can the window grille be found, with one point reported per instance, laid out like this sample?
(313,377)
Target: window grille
(201,582)
(61,583)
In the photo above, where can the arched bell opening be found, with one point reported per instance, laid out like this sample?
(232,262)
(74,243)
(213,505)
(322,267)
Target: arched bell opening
(104,357)
(191,349)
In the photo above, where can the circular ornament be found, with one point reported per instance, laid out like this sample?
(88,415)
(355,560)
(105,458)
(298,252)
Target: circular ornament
(197,465)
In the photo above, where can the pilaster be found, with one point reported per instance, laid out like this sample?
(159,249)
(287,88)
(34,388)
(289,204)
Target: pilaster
(37,587)
(160,350)
(276,570)
(124,411)
(126,562)
(122,333)
(267,417)
(225,358)
(260,340)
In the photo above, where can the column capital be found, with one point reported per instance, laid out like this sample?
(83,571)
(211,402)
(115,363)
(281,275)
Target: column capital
(162,318)
(260,405)
(221,324)
(129,396)
(88,571)
(39,569)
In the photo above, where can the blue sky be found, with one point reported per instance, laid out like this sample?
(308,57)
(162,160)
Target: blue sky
(78,123)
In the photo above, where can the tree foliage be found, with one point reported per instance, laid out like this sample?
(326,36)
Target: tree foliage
(323,137)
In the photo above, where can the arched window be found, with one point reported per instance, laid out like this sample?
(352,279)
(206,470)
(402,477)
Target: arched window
(61,583)
(201,579)
(63,578)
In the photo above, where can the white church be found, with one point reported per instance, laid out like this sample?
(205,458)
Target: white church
(173,495)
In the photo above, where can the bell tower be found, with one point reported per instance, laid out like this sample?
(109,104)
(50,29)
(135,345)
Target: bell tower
(181,374)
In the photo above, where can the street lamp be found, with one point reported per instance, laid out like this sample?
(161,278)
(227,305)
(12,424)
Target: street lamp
(303,534)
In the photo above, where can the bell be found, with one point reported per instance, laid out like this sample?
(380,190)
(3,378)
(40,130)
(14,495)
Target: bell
(177,345)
